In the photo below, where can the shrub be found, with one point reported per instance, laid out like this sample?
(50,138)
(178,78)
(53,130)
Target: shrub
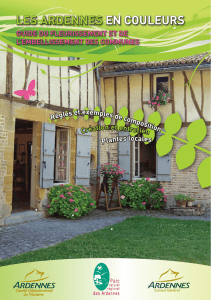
(141,194)
(70,201)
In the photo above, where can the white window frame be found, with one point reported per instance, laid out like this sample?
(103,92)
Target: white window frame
(155,82)
(133,162)
(58,130)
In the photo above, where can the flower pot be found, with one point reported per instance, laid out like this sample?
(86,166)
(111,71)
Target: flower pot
(183,203)
(189,203)
(178,203)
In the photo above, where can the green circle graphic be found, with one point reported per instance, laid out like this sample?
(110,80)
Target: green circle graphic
(101,276)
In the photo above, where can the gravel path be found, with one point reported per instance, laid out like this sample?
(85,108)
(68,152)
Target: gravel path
(25,237)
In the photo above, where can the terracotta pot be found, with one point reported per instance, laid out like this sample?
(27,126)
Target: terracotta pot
(183,203)
(178,203)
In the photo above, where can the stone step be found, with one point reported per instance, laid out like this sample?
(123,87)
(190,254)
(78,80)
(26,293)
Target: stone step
(22,217)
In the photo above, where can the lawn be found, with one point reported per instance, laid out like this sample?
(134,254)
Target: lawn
(136,237)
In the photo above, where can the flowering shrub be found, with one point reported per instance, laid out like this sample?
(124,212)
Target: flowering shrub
(110,172)
(70,201)
(161,98)
(141,194)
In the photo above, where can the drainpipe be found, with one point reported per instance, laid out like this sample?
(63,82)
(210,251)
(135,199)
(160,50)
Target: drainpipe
(98,132)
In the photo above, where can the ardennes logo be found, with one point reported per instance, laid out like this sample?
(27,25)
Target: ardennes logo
(168,280)
(101,276)
(33,281)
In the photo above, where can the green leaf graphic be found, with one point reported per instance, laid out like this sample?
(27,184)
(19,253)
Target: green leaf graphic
(164,145)
(203,173)
(86,117)
(173,123)
(196,131)
(151,135)
(155,118)
(120,123)
(43,71)
(185,156)
(123,112)
(96,118)
(107,120)
(74,116)
(138,115)
(132,133)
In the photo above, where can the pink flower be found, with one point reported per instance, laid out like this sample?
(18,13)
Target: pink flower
(157,98)
(152,98)
(158,104)
(165,200)
(70,187)
(85,192)
(141,184)
(149,102)
(154,103)
(61,184)
(126,182)
(164,94)
(110,173)
(167,100)
(71,200)
(133,181)
(162,190)
(81,190)
(67,189)
(76,209)
(122,197)
(143,203)
(147,179)
(62,196)
(48,205)
(164,196)
(69,193)
(92,204)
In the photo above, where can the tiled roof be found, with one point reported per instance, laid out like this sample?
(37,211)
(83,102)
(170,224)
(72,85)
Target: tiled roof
(129,66)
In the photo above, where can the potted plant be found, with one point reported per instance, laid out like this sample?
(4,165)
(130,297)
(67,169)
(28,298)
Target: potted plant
(161,98)
(111,172)
(181,200)
(190,201)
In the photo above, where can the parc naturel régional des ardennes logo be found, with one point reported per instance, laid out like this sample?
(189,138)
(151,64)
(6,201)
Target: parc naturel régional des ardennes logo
(33,283)
(101,276)
(168,282)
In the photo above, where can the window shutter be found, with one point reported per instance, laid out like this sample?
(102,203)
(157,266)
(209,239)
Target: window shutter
(47,155)
(124,155)
(163,164)
(83,153)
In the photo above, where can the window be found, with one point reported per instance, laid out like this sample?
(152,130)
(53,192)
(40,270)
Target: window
(144,159)
(161,82)
(62,155)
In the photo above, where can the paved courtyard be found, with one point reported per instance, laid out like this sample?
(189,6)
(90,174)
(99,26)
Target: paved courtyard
(42,233)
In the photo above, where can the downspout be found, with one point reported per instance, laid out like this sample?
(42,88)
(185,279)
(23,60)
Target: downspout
(98,132)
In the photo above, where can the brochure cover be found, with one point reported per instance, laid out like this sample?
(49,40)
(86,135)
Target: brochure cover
(105,150)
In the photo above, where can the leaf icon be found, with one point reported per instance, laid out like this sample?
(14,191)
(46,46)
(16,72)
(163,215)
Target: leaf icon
(196,131)
(43,71)
(203,173)
(120,123)
(74,116)
(86,117)
(109,110)
(164,145)
(138,115)
(185,156)
(155,118)
(123,112)
(151,135)
(173,123)
(96,118)
(133,133)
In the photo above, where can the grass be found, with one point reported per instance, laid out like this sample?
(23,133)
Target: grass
(136,237)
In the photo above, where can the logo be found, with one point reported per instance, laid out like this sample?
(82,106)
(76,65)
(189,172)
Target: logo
(101,276)
(34,285)
(168,281)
